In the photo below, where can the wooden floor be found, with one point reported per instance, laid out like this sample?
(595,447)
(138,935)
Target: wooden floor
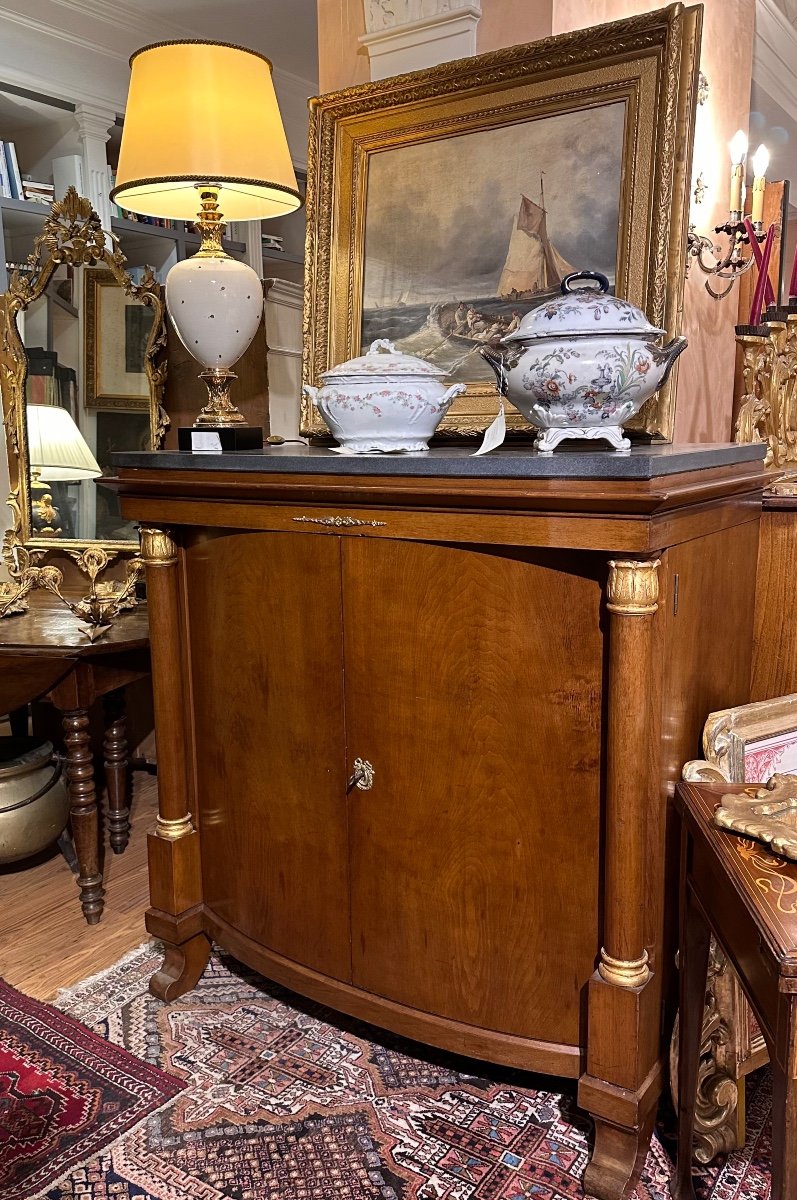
(45,944)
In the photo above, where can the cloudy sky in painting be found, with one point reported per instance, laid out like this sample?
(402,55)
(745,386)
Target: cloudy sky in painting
(439,215)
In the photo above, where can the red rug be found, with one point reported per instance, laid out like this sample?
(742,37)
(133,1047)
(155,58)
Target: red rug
(285,1100)
(65,1093)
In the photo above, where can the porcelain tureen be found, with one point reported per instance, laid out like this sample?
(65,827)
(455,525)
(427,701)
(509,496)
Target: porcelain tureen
(384,400)
(582,364)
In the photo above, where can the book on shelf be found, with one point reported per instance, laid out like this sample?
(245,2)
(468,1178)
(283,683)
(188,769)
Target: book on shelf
(5,182)
(12,166)
(39,193)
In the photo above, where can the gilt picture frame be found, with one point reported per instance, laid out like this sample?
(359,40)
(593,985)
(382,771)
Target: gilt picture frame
(748,744)
(118,329)
(447,202)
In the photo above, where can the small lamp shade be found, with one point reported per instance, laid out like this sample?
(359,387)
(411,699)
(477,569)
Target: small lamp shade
(57,450)
(203,112)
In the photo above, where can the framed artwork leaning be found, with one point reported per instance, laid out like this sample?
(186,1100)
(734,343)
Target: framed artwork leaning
(118,330)
(445,204)
(748,744)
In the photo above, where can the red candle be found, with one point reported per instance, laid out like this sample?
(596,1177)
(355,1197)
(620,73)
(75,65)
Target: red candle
(760,287)
(769,296)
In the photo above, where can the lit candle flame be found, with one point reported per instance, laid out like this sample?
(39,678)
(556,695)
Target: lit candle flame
(738,146)
(760,162)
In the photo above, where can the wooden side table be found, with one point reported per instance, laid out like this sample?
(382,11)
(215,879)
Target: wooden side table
(735,889)
(44,656)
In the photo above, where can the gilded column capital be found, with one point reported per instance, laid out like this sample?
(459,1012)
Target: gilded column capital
(624,972)
(172,831)
(632,589)
(157,546)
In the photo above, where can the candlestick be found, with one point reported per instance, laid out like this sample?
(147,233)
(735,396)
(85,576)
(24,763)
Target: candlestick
(738,149)
(760,164)
(760,287)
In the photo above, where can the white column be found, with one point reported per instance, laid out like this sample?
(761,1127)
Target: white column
(409,35)
(248,232)
(94,125)
(284,355)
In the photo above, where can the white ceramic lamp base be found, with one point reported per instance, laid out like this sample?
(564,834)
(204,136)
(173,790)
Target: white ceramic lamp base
(216,305)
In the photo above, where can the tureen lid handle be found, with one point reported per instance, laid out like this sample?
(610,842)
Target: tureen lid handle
(387,347)
(569,280)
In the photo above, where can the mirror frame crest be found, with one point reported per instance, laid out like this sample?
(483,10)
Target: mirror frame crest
(72,235)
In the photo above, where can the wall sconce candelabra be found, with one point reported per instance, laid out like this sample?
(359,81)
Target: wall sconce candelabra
(730,263)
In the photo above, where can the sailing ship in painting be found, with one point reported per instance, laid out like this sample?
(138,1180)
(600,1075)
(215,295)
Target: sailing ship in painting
(450,331)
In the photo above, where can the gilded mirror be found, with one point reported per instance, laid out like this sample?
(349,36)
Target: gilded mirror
(82,373)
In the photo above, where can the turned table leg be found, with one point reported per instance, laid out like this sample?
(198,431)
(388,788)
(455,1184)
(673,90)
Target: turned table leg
(83,811)
(116,772)
(695,940)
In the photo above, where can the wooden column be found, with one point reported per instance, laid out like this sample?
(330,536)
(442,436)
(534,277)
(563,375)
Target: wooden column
(623,1077)
(175,915)
(632,598)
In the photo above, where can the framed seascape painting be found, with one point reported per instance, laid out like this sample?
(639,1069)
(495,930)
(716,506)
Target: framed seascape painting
(443,205)
(118,329)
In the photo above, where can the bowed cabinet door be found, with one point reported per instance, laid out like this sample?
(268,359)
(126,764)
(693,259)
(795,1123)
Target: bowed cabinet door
(474,688)
(266,660)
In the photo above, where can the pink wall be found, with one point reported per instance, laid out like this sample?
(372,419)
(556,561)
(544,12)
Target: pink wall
(507,23)
(705,381)
(342,61)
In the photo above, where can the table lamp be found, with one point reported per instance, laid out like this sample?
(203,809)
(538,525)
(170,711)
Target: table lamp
(202,133)
(57,453)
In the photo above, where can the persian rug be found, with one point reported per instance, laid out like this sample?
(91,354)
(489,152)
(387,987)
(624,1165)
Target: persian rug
(65,1094)
(285,1100)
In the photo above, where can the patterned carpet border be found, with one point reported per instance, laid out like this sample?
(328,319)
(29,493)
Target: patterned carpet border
(285,1100)
(65,1093)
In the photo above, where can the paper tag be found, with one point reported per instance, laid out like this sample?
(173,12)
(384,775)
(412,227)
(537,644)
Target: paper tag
(494,434)
(205,441)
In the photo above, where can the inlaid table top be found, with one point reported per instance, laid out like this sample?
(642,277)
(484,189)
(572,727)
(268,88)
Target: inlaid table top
(765,882)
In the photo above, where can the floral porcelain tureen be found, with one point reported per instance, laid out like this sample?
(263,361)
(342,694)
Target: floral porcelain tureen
(582,364)
(383,400)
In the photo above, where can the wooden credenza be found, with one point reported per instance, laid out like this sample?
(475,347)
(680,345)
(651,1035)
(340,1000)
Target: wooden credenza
(525,658)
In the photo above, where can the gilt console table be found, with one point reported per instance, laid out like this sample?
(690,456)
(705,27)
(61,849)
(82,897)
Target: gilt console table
(418,723)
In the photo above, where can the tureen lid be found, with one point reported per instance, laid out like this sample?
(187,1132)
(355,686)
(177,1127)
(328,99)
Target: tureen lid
(583,310)
(381,359)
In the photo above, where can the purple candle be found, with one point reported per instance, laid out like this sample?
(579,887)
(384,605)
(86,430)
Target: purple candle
(760,287)
(769,297)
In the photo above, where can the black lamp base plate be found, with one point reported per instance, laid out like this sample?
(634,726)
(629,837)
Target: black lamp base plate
(228,439)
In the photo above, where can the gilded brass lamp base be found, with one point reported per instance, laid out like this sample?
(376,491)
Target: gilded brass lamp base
(219,412)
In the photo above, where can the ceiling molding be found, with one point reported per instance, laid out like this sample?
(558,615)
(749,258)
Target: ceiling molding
(154,29)
(62,35)
(47,85)
(112,13)
(774,55)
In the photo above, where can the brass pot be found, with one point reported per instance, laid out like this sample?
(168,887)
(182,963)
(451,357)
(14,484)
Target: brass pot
(34,802)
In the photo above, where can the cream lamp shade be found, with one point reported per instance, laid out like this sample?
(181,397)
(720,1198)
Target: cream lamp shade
(57,450)
(203,132)
(203,113)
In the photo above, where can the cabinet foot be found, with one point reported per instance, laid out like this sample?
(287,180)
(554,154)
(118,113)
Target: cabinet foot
(181,968)
(618,1158)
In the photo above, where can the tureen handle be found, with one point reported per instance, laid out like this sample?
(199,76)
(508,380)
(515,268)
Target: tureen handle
(571,279)
(384,345)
